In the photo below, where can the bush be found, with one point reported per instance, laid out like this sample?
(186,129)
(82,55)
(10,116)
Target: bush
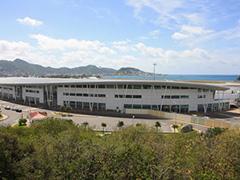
(22,122)
(187,128)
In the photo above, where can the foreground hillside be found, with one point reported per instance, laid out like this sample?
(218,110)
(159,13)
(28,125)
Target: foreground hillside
(54,149)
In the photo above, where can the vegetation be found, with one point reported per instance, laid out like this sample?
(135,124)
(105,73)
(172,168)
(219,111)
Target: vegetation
(120,124)
(57,149)
(104,125)
(157,125)
(22,122)
(175,126)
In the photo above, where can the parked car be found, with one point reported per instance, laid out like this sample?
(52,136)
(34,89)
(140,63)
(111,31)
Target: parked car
(7,108)
(18,110)
(14,108)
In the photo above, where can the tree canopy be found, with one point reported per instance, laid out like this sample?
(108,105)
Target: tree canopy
(58,149)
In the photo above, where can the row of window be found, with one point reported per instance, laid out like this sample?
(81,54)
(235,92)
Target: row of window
(175,97)
(6,88)
(84,95)
(92,106)
(128,86)
(32,91)
(128,96)
(167,108)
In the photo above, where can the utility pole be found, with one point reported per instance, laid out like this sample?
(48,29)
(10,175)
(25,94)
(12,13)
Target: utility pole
(154,75)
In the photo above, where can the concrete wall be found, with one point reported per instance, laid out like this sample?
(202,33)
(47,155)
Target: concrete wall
(33,94)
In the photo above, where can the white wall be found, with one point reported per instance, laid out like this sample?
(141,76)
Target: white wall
(149,97)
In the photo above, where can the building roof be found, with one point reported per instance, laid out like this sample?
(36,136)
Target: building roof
(59,81)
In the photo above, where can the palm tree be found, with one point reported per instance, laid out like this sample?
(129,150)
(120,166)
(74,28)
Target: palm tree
(157,125)
(104,125)
(120,124)
(174,126)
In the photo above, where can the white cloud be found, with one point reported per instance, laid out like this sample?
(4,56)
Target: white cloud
(13,49)
(29,21)
(192,35)
(54,52)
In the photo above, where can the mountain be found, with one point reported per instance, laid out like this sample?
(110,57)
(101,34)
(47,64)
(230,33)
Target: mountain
(130,71)
(19,67)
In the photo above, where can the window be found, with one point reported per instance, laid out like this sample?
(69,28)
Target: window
(128,106)
(166,97)
(101,95)
(137,87)
(73,86)
(129,86)
(72,94)
(101,86)
(184,97)
(157,87)
(110,86)
(175,87)
(137,96)
(175,97)
(120,86)
(146,106)
(137,106)
(147,86)
(66,86)
(79,86)
(128,96)
(79,94)
(116,96)
(92,86)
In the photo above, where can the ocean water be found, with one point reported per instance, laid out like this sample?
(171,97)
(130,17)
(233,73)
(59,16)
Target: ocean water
(180,77)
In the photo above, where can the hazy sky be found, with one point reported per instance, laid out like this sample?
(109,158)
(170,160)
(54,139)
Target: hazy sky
(181,36)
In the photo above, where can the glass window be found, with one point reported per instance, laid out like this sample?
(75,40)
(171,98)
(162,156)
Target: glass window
(128,96)
(174,97)
(146,106)
(147,86)
(101,86)
(137,87)
(137,106)
(157,87)
(137,96)
(128,106)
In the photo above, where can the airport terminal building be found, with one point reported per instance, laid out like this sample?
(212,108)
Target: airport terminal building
(114,95)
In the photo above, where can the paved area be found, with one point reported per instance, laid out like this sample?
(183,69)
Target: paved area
(93,120)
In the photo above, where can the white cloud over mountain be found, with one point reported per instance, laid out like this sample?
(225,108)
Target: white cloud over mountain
(50,51)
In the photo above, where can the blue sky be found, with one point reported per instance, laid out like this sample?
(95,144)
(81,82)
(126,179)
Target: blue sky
(181,36)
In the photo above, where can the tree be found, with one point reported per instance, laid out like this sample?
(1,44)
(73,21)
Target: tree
(174,126)
(85,124)
(212,132)
(120,124)
(157,125)
(22,122)
(104,125)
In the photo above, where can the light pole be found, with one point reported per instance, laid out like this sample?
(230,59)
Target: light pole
(154,65)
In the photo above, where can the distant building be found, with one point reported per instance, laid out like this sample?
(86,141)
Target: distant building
(114,95)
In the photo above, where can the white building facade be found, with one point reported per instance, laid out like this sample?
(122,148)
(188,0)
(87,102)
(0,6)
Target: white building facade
(114,95)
